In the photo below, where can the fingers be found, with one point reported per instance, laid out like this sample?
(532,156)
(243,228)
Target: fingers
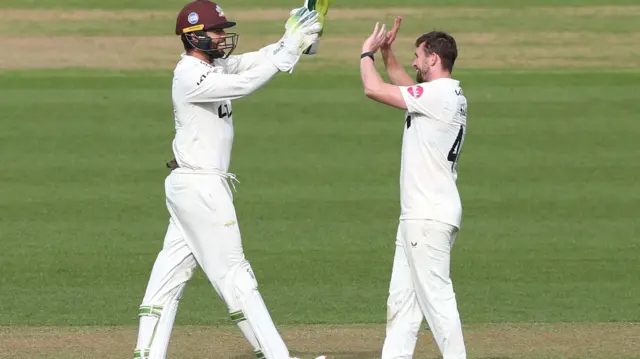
(309,17)
(377,30)
(396,24)
(383,31)
(295,17)
(311,23)
(298,11)
(382,36)
(378,37)
(390,36)
(314,29)
(303,19)
(394,30)
(380,33)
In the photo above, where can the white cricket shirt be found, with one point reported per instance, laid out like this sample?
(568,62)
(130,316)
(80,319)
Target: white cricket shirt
(434,130)
(202,95)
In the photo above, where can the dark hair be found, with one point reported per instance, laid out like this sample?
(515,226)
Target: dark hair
(442,44)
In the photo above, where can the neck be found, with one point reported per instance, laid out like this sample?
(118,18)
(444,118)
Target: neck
(199,55)
(438,75)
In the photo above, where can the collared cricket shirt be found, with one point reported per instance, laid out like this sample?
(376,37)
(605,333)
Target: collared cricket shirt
(434,130)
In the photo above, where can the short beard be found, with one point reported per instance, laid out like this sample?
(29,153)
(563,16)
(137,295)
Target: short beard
(215,54)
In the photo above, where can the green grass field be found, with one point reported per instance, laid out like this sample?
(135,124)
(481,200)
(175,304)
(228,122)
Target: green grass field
(545,265)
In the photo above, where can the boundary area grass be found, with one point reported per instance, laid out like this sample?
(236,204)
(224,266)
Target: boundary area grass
(500,38)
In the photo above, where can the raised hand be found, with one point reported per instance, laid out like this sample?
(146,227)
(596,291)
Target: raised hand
(303,27)
(376,39)
(391,34)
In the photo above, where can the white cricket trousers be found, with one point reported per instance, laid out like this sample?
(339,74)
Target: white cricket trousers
(420,288)
(203,230)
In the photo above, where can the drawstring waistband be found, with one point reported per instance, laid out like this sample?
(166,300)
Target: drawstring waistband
(229,177)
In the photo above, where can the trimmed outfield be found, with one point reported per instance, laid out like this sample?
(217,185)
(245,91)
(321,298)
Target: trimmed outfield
(546,262)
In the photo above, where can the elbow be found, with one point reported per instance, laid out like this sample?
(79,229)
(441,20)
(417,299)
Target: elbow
(369,92)
(245,89)
(368,87)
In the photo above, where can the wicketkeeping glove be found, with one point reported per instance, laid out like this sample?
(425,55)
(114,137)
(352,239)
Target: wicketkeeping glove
(322,7)
(301,30)
(303,27)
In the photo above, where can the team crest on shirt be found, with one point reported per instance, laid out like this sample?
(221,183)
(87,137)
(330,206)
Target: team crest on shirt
(415,91)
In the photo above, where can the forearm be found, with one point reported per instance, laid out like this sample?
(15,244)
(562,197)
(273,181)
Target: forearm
(236,64)
(221,87)
(252,79)
(240,63)
(371,79)
(376,89)
(396,72)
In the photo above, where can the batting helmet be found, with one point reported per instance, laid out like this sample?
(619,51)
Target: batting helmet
(200,16)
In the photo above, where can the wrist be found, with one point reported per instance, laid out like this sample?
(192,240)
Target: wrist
(365,54)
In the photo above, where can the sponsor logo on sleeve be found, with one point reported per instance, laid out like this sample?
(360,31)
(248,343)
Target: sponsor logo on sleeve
(415,91)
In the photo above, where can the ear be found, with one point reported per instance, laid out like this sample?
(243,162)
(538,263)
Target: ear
(434,59)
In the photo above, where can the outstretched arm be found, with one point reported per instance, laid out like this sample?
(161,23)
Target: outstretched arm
(301,30)
(374,87)
(212,86)
(397,74)
(302,26)
(236,64)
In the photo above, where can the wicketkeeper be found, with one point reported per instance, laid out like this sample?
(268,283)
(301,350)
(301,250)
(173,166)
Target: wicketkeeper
(203,227)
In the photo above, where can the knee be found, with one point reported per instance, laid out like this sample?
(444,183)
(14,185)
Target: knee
(155,308)
(242,277)
(402,304)
(239,282)
(162,292)
(399,299)
(437,287)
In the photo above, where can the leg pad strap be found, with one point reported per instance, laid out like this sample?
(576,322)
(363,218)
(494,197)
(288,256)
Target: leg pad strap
(150,311)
